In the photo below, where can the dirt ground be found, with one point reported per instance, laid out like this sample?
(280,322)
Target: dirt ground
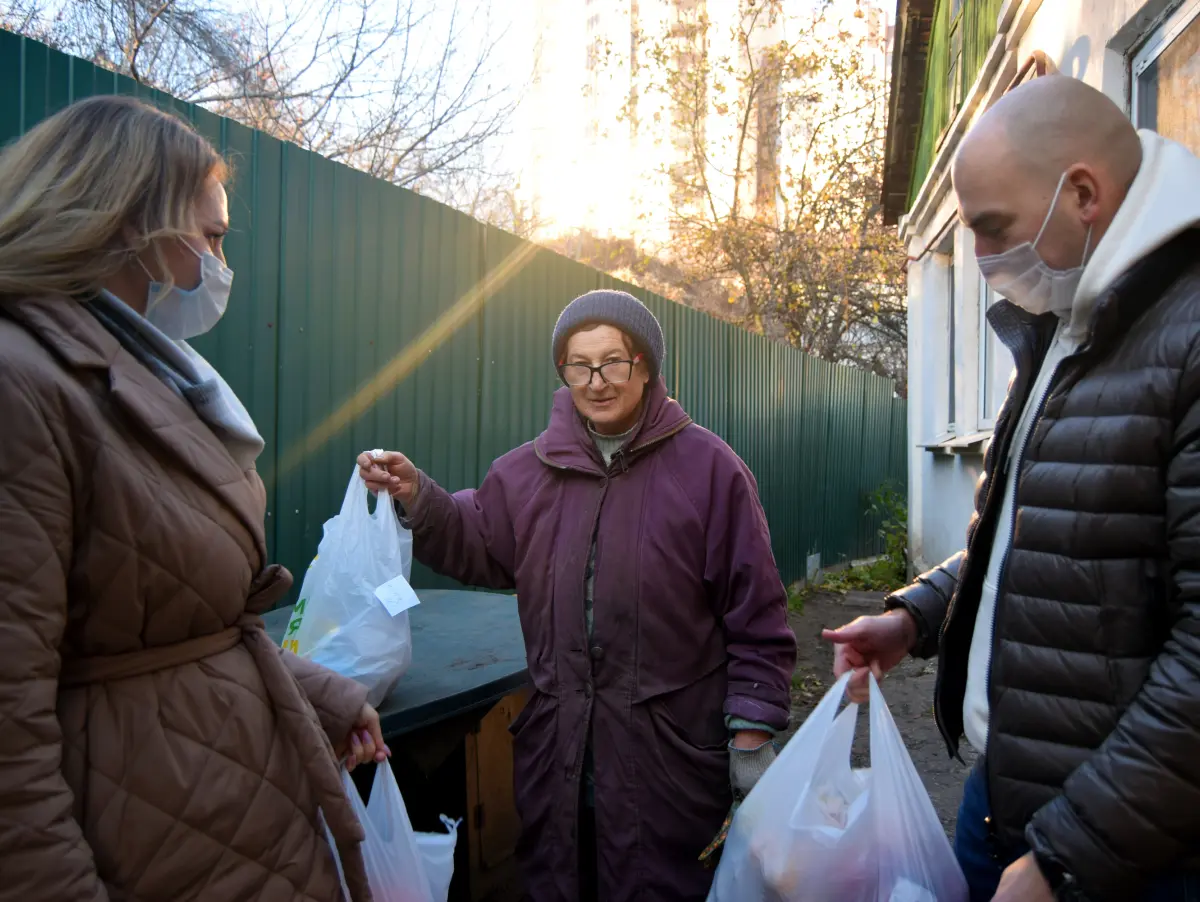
(908,690)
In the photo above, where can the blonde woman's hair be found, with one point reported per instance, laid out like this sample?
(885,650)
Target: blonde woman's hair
(96,183)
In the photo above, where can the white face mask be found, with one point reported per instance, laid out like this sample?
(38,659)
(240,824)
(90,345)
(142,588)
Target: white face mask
(1022,276)
(181,314)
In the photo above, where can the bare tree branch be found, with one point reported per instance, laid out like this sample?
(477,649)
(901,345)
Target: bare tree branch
(813,263)
(403,89)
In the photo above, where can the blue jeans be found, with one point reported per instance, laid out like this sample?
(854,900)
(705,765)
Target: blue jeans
(982,870)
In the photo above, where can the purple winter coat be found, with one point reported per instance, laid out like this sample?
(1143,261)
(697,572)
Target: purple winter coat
(690,625)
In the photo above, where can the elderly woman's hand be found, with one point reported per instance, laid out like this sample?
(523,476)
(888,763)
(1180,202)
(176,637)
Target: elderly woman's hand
(365,741)
(390,472)
(751,752)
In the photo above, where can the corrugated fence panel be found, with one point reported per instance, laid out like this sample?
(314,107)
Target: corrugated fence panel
(302,483)
(798,481)
(517,377)
(875,469)
(364,315)
(12,78)
(702,377)
(815,450)
(898,464)
(247,344)
(839,425)
(398,254)
(442,429)
(777,469)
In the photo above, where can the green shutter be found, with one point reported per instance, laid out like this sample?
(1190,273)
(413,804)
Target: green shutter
(974,32)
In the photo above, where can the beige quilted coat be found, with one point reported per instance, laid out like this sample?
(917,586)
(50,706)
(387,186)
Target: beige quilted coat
(154,744)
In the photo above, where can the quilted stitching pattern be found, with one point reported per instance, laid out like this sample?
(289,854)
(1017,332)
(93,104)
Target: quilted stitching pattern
(177,785)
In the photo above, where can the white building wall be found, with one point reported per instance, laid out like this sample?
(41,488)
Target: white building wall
(1094,40)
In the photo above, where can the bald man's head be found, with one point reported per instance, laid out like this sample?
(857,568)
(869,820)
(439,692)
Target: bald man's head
(1010,164)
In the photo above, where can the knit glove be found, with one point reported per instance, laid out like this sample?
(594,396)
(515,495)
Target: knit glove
(746,767)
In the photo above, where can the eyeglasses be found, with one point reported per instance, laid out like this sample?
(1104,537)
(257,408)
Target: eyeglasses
(615,372)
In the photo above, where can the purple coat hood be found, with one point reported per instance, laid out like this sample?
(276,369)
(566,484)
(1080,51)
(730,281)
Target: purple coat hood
(690,626)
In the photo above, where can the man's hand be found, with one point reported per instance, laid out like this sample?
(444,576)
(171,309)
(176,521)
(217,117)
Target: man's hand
(390,472)
(365,742)
(1022,881)
(871,645)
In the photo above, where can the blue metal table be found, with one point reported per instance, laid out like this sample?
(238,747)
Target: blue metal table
(468,654)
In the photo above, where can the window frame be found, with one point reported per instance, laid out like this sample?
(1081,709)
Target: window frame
(951,384)
(987,366)
(1156,43)
(954,73)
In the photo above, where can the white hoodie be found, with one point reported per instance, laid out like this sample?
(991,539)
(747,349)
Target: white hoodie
(1163,202)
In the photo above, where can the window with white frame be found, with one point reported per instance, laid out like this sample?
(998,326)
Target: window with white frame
(995,362)
(1166,78)
(951,344)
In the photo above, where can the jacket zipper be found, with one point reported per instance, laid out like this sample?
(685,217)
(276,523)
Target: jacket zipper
(593,538)
(594,548)
(576,771)
(619,461)
(1018,461)
(964,572)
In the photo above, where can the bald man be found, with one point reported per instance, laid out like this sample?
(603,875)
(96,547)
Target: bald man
(1068,632)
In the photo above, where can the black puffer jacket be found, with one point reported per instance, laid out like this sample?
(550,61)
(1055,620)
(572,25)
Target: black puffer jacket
(1094,732)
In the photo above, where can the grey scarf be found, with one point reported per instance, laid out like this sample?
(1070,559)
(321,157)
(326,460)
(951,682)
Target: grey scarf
(186,373)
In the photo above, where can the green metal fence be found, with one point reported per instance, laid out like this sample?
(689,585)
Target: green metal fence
(364,315)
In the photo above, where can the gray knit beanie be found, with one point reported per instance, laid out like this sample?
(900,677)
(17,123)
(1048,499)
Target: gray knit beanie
(612,308)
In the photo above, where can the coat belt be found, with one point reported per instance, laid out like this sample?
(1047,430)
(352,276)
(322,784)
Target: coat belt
(106,668)
(292,710)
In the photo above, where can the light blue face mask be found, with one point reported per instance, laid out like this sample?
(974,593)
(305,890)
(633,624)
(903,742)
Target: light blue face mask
(180,314)
(1021,275)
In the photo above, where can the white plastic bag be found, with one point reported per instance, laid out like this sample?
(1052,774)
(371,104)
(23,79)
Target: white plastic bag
(339,620)
(814,830)
(436,851)
(402,865)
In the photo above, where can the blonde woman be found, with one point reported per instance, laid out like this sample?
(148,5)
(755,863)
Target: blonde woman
(154,744)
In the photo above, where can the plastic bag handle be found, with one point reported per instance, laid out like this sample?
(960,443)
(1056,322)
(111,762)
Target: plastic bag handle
(355,502)
(355,505)
(887,745)
(389,522)
(385,512)
(820,721)
(826,711)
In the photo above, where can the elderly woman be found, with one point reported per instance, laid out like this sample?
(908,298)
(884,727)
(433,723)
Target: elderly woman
(653,613)
(154,743)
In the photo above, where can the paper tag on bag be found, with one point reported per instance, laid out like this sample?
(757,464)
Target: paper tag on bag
(397,596)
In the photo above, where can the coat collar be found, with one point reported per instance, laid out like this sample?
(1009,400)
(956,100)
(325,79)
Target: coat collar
(566,443)
(63,326)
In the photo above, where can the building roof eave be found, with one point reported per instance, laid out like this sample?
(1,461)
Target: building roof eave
(996,77)
(914,20)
